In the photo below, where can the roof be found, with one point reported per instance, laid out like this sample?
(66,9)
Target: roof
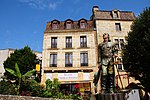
(123,15)
(75,25)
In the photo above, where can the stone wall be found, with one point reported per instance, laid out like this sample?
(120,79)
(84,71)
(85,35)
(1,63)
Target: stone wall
(13,97)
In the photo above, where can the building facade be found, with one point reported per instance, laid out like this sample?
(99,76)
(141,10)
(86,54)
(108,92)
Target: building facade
(69,53)
(70,47)
(4,54)
(117,24)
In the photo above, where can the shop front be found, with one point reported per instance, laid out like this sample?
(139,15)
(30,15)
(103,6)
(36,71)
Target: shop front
(73,82)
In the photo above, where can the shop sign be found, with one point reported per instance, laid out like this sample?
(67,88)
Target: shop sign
(67,76)
(86,76)
(49,76)
(37,67)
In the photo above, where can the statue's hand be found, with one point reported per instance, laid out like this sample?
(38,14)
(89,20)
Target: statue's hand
(115,62)
(115,55)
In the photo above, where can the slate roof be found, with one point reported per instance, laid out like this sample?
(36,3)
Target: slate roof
(75,25)
(124,15)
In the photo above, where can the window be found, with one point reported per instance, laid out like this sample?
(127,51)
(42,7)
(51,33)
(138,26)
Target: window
(54,26)
(115,14)
(84,59)
(120,65)
(53,60)
(119,44)
(83,41)
(118,26)
(68,59)
(82,24)
(122,44)
(68,25)
(68,42)
(54,42)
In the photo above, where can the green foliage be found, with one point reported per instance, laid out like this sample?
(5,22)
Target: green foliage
(7,88)
(32,88)
(20,78)
(52,89)
(136,55)
(25,59)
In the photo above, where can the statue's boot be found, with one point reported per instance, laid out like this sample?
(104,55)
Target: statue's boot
(103,83)
(111,83)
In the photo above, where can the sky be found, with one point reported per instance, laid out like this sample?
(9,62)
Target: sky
(22,22)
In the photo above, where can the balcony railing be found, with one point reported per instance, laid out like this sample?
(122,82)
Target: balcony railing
(84,64)
(53,65)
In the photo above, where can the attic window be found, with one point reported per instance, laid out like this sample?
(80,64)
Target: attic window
(116,14)
(68,25)
(82,24)
(55,25)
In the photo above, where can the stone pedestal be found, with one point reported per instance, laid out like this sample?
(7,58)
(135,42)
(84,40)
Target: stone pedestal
(110,96)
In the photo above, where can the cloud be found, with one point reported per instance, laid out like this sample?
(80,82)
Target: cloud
(52,5)
(42,4)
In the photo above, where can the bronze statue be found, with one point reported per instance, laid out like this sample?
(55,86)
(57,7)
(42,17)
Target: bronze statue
(106,54)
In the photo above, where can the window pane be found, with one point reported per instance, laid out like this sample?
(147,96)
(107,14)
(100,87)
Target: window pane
(83,41)
(84,59)
(68,59)
(54,42)
(81,59)
(117,43)
(68,42)
(122,43)
(54,26)
(119,66)
(118,26)
(53,60)
(68,25)
(82,25)
(115,14)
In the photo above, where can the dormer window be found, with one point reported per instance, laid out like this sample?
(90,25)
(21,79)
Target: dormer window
(82,25)
(115,14)
(68,25)
(55,26)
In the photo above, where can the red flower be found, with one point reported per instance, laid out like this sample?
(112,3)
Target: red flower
(77,86)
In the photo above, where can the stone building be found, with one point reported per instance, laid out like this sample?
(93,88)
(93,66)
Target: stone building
(117,24)
(70,47)
(4,54)
(69,53)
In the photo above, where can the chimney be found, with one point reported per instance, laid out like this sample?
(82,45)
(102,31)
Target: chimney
(95,8)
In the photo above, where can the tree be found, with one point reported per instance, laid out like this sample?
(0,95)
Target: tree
(136,55)
(25,59)
(19,76)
